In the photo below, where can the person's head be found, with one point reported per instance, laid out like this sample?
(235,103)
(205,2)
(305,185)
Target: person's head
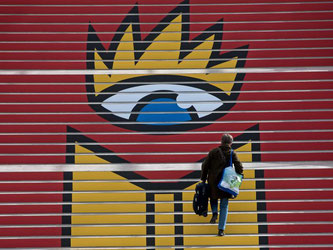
(227,139)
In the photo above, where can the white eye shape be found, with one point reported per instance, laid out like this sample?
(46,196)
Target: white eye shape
(123,103)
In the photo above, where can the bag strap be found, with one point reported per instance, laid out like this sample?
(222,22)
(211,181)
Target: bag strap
(230,163)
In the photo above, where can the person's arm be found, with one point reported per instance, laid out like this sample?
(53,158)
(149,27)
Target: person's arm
(238,165)
(205,167)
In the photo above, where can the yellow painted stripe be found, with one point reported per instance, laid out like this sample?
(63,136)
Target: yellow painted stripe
(245,157)
(110,230)
(108,219)
(243,206)
(77,197)
(92,186)
(164,207)
(249,174)
(108,208)
(99,175)
(108,242)
(164,230)
(164,241)
(193,218)
(212,229)
(163,197)
(160,230)
(164,218)
(248,185)
(242,218)
(221,241)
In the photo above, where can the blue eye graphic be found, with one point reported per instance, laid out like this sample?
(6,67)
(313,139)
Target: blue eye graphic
(171,105)
(163,110)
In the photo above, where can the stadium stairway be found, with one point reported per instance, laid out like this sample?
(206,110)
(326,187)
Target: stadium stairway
(278,208)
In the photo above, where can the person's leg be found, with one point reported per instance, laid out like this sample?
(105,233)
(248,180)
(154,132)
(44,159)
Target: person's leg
(213,205)
(223,215)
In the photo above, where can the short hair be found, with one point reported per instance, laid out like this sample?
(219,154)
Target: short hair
(226,139)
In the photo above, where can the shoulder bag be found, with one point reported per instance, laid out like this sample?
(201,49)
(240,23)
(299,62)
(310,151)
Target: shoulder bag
(231,180)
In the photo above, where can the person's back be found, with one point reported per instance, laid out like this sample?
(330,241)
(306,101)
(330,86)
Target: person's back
(212,169)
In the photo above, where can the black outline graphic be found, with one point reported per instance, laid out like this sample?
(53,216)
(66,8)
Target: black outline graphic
(140,46)
(75,136)
(66,230)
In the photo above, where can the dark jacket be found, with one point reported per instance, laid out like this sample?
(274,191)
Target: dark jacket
(212,169)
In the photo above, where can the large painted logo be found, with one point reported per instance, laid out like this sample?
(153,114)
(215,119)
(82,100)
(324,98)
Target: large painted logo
(179,102)
(155,108)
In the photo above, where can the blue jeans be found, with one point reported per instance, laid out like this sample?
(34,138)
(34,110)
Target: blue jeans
(223,211)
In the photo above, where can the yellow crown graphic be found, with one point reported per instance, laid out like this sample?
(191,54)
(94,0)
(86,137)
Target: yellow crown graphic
(165,48)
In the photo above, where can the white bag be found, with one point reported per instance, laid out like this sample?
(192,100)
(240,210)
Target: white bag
(230,181)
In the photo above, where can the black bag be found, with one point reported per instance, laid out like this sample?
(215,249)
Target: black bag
(200,199)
